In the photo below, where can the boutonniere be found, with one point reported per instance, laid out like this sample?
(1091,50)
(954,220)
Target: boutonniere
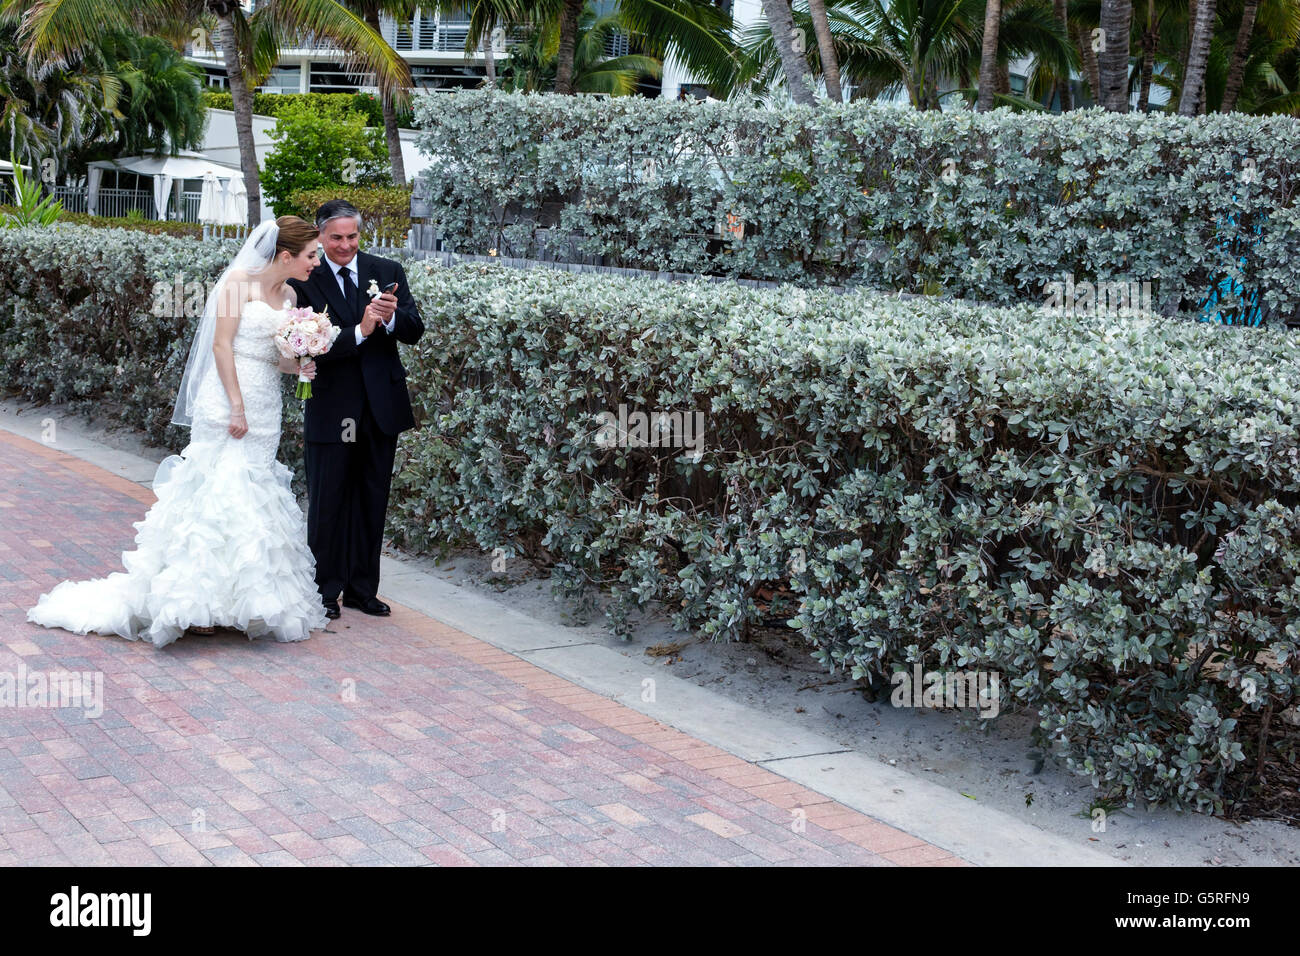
(372,290)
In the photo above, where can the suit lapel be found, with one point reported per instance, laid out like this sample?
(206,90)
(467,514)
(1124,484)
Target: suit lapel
(323,276)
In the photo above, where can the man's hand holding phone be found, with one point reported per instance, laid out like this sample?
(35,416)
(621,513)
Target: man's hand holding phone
(380,309)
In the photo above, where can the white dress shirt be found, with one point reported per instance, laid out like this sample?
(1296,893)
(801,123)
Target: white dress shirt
(352,266)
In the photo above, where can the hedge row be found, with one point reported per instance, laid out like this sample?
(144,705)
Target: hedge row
(385,210)
(1107,514)
(993,207)
(270,104)
(165,227)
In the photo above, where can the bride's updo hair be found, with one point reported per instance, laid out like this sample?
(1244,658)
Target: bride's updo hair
(294,235)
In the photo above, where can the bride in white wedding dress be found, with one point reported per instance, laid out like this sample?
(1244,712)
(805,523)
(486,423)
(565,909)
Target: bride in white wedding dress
(225,545)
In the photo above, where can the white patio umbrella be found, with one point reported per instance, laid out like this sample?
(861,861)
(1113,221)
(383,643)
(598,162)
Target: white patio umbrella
(212,200)
(236,208)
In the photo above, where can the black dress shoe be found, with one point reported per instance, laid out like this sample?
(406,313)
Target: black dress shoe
(368,605)
(332,610)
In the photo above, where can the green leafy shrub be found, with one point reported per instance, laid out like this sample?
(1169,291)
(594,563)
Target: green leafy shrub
(993,206)
(154,226)
(321,147)
(101,320)
(1103,510)
(270,104)
(385,210)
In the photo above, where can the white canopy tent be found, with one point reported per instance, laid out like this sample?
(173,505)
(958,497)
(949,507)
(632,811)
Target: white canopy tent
(164,171)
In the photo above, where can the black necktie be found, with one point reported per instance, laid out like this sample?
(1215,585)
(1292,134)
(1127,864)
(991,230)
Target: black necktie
(350,291)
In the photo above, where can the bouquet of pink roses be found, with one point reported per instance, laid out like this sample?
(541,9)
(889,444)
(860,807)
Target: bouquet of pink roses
(303,335)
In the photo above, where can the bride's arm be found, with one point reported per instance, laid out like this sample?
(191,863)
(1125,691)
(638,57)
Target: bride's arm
(229,308)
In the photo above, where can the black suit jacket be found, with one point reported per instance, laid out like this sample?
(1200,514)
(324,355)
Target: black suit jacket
(350,374)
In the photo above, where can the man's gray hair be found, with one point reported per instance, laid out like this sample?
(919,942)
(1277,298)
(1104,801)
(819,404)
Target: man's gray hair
(337,209)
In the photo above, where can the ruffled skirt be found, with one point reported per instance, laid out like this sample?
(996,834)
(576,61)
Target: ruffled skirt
(225,545)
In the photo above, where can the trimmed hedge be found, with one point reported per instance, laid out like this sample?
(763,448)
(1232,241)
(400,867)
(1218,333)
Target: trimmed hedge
(156,227)
(993,206)
(385,210)
(270,104)
(101,320)
(1107,513)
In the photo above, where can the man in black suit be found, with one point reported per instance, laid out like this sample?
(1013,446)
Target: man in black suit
(359,406)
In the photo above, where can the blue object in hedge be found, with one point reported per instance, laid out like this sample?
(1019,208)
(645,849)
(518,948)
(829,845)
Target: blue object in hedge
(1248,310)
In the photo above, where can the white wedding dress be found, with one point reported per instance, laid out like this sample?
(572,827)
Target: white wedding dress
(226,543)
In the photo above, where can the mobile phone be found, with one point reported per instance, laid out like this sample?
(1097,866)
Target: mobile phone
(390,288)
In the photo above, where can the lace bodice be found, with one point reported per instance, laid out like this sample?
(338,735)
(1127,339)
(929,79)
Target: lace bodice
(260,382)
(255,336)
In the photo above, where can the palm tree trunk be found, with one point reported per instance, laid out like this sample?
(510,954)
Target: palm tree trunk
(1150,38)
(1194,78)
(1112,61)
(825,46)
(391,134)
(568,40)
(781,21)
(1237,67)
(1148,70)
(242,103)
(988,55)
(1063,84)
(489,60)
(1089,59)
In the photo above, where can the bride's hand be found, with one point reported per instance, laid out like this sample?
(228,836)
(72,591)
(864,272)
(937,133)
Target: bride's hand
(238,424)
(309,370)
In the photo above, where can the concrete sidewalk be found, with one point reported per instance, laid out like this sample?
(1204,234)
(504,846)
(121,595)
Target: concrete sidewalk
(456,731)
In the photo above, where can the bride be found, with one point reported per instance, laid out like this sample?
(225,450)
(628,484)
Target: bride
(225,545)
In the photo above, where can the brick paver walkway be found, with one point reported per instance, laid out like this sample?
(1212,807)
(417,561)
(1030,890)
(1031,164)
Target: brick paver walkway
(397,740)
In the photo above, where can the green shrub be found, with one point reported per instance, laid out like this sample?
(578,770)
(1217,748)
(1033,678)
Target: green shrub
(321,147)
(1104,510)
(385,210)
(270,104)
(155,226)
(101,320)
(992,206)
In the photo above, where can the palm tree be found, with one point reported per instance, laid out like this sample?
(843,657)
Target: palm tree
(161,106)
(1197,54)
(1237,69)
(48,112)
(1113,57)
(988,54)
(534,60)
(1061,8)
(912,46)
(826,49)
(696,31)
(780,19)
(390,97)
(249,45)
